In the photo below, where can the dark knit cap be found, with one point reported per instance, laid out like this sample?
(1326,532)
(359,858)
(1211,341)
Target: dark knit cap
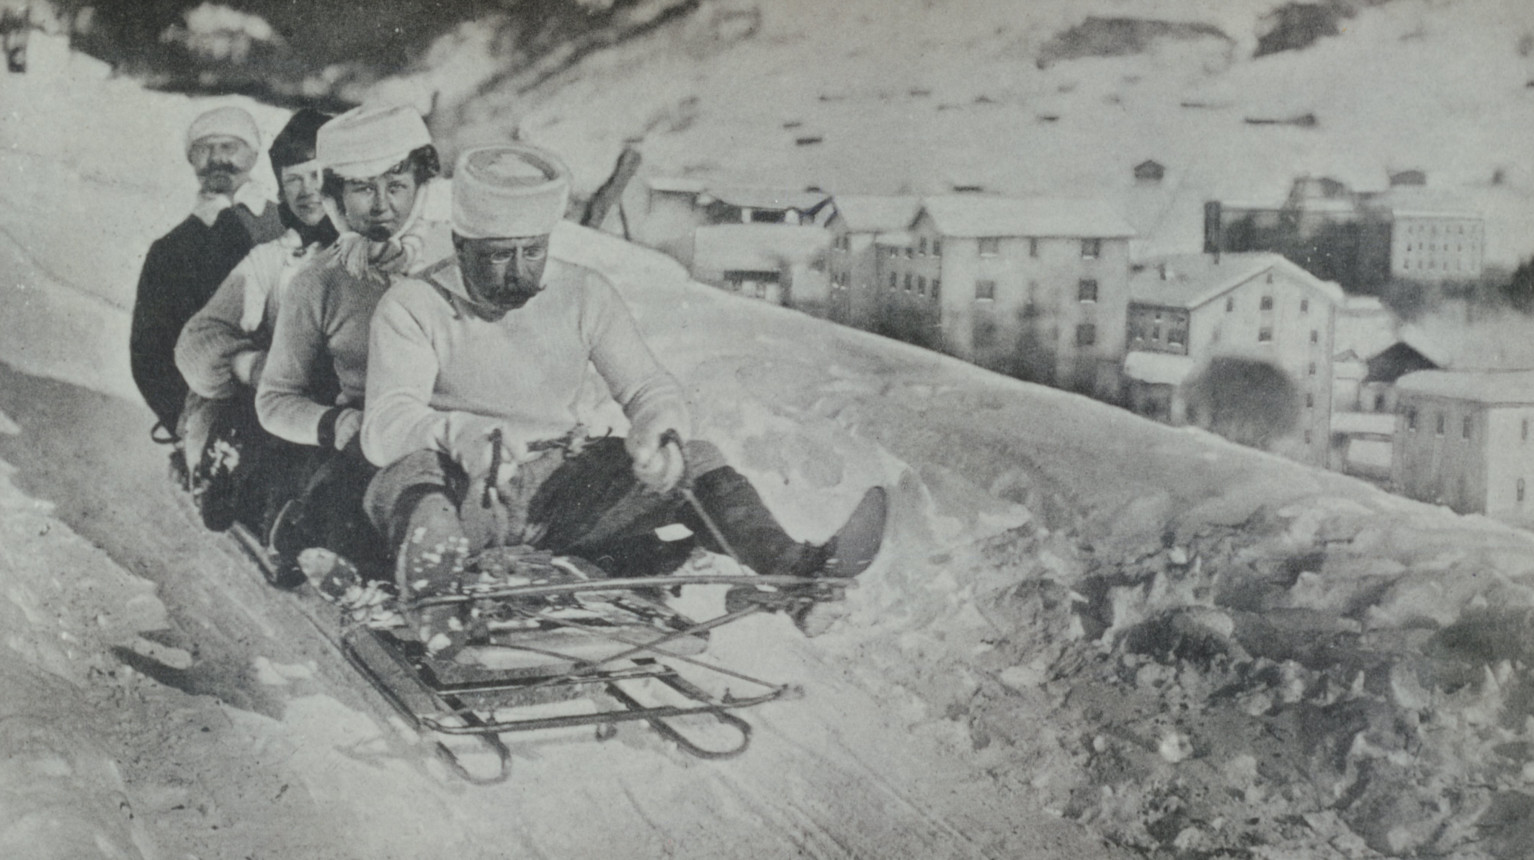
(295,143)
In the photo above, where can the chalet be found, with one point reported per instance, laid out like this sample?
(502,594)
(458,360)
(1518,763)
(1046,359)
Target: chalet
(1186,310)
(854,266)
(764,206)
(1149,170)
(1463,440)
(1364,408)
(1032,287)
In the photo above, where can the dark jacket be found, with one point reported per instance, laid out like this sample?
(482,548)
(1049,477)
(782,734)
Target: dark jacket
(183,269)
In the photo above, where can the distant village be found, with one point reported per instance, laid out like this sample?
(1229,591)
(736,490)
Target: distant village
(1272,336)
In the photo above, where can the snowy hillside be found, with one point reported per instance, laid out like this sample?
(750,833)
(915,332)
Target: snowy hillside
(922,96)
(1089,627)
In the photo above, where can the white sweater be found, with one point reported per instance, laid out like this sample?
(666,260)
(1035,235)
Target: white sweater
(441,378)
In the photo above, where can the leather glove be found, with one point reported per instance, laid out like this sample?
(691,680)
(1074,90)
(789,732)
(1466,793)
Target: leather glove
(348,427)
(658,464)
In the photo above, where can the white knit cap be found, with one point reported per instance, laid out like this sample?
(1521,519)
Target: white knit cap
(226,121)
(366,141)
(508,190)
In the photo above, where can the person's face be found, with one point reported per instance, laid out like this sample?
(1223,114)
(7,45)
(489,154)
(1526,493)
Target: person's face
(222,163)
(301,191)
(503,274)
(377,206)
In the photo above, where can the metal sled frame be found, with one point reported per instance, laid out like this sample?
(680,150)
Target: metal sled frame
(452,707)
(400,672)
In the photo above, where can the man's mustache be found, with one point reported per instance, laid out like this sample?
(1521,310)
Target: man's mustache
(219,168)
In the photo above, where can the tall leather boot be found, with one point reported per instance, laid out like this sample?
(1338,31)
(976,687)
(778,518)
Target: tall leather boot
(746,523)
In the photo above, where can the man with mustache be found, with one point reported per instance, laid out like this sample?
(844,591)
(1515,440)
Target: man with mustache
(185,266)
(475,368)
(377,161)
(235,464)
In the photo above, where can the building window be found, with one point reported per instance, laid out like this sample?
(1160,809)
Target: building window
(1315,336)
(1230,303)
(1267,304)
(1464,430)
(1304,306)
(985,290)
(923,246)
(1411,419)
(935,284)
(1520,489)
(909,252)
(1086,334)
(1307,437)
(1264,335)
(990,246)
(921,285)
(1086,290)
(1091,248)
(984,334)
(1156,332)
(892,280)
(1310,400)
(1312,368)
(1033,247)
(1441,421)
(1525,433)
(907,280)
(937,247)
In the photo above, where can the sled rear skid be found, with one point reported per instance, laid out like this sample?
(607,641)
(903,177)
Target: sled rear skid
(430,703)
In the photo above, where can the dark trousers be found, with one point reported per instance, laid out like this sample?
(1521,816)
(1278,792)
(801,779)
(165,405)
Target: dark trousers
(590,505)
(238,472)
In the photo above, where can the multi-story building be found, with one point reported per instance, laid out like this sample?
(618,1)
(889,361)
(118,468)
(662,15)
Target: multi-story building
(674,208)
(1187,310)
(1359,239)
(854,265)
(1036,288)
(1463,440)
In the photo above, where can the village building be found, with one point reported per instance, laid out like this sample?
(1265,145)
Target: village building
(1035,288)
(855,223)
(1463,440)
(675,207)
(1187,310)
(1149,170)
(1360,239)
(780,264)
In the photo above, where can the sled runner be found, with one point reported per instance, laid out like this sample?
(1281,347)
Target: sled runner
(553,642)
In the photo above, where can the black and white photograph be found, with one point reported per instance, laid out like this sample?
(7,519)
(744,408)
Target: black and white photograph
(709,429)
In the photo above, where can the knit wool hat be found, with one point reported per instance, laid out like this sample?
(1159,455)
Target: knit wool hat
(227,121)
(368,140)
(508,191)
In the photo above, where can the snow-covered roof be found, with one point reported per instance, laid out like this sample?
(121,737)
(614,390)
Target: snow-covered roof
(1364,423)
(1192,280)
(1157,368)
(756,247)
(1486,387)
(976,215)
(1414,202)
(872,214)
(768,198)
(675,185)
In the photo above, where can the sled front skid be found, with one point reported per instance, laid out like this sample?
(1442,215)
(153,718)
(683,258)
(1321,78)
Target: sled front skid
(439,709)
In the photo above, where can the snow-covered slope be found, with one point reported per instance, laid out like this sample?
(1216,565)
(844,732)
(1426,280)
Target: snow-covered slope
(1186,645)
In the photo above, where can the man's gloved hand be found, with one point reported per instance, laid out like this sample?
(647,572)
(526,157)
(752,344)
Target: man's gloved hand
(658,462)
(247,366)
(348,427)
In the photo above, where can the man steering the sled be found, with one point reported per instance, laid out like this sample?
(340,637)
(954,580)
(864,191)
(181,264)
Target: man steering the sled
(474,368)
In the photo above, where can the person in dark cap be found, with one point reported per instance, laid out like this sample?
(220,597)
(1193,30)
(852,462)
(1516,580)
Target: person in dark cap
(185,266)
(236,465)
